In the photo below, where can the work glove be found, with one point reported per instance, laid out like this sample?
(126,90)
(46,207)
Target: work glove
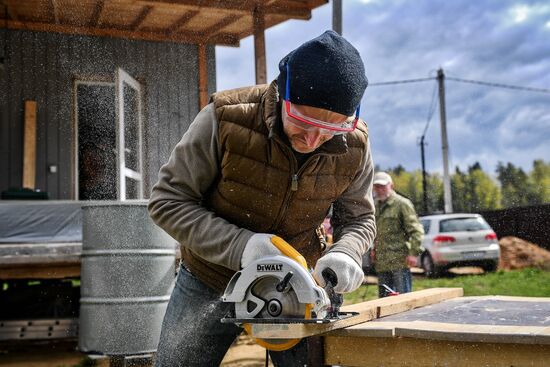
(258,246)
(349,274)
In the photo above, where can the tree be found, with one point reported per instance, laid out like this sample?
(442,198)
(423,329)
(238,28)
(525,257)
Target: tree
(539,179)
(474,191)
(514,184)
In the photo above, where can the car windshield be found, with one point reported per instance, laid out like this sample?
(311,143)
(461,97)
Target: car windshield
(463,224)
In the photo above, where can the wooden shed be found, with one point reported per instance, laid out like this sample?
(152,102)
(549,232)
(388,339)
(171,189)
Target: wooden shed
(95,93)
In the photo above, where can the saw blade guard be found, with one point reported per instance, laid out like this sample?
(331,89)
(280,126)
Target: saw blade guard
(302,283)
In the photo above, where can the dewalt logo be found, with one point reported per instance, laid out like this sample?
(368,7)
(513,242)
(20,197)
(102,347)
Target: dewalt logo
(269,267)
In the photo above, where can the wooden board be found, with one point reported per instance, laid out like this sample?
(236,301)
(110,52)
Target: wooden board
(367,311)
(399,352)
(495,319)
(29,146)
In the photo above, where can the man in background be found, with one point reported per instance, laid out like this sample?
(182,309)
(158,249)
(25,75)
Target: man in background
(399,237)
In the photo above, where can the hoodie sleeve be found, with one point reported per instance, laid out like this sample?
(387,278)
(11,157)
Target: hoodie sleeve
(176,199)
(353,214)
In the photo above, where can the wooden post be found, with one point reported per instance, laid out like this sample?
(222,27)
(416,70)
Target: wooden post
(259,45)
(29,146)
(203,76)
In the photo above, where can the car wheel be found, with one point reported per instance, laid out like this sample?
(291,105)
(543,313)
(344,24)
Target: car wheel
(490,266)
(430,270)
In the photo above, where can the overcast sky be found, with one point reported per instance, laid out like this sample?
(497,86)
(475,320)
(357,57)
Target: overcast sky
(499,41)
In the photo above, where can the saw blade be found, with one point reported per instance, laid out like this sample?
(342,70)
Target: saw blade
(277,304)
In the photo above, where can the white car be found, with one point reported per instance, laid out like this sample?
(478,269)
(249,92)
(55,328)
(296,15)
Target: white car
(458,240)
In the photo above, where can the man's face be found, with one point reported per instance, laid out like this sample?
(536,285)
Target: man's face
(383,191)
(306,138)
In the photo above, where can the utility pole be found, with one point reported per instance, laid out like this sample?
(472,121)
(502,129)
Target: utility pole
(424,183)
(337,16)
(444,144)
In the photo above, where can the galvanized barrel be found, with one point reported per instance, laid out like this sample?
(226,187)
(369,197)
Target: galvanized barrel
(127,275)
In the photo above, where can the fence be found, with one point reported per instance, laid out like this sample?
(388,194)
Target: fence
(531,223)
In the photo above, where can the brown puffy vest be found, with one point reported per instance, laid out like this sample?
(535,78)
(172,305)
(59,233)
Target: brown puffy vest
(261,187)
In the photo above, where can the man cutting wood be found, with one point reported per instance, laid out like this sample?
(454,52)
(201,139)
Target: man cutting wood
(262,161)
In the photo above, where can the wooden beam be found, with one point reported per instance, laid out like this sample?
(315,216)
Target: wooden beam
(397,352)
(214,29)
(367,311)
(289,8)
(11,11)
(96,15)
(140,18)
(203,76)
(41,272)
(54,9)
(182,21)
(29,146)
(227,39)
(259,45)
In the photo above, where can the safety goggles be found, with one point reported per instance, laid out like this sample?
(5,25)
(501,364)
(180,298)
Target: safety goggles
(309,123)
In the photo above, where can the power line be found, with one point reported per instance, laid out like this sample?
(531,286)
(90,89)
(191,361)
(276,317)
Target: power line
(401,82)
(471,81)
(499,85)
(431,110)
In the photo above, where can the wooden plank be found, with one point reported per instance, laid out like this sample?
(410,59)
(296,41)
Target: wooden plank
(41,272)
(367,311)
(398,352)
(474,333)
(259,46)
(449,331)
(203,76)
(29,146)
(181,36)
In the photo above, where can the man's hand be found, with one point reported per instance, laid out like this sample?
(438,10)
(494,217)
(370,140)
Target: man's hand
(411,261)
(349,273)
(258,246)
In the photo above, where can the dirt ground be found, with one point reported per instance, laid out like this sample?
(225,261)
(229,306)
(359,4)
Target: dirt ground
(244,353)
(516,253)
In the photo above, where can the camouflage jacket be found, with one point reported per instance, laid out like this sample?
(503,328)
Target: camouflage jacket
(399,233)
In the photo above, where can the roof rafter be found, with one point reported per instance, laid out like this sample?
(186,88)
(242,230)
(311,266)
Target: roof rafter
(10,10)
(289,8)
(212,30)
(182,21)
(136,23)
(94,19)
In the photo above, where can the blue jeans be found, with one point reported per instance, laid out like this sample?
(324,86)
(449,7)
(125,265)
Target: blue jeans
(398,280)
(192,334)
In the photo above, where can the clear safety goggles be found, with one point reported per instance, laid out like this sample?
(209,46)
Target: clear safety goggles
(309,123)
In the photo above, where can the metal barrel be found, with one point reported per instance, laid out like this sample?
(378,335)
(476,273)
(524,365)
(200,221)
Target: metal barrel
(127,276)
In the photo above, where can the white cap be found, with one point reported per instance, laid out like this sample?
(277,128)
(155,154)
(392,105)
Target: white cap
(382,178)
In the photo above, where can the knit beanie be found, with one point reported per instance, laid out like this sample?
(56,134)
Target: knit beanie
(326,72)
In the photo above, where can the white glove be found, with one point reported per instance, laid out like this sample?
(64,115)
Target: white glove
(258,246)
(349,273)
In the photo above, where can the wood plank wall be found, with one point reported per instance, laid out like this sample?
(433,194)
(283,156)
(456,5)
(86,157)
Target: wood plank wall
(43,66)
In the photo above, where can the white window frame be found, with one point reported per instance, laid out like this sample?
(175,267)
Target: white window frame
(123,171)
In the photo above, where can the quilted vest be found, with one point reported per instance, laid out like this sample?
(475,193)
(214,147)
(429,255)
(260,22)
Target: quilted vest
(260,186)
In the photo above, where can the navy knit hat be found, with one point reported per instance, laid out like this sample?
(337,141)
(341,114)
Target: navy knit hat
(326,72)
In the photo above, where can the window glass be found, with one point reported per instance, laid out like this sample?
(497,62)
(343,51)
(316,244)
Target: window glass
(426,224)
(463,224)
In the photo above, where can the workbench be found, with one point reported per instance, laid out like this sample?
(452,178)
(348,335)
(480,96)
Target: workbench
(460,331)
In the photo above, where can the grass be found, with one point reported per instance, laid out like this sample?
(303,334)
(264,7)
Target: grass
(529,282)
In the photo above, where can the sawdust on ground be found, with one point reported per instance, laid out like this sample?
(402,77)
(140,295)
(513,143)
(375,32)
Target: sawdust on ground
(516,253)
(245,353)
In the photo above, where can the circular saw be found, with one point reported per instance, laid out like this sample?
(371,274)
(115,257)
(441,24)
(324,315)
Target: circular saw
(280,289)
